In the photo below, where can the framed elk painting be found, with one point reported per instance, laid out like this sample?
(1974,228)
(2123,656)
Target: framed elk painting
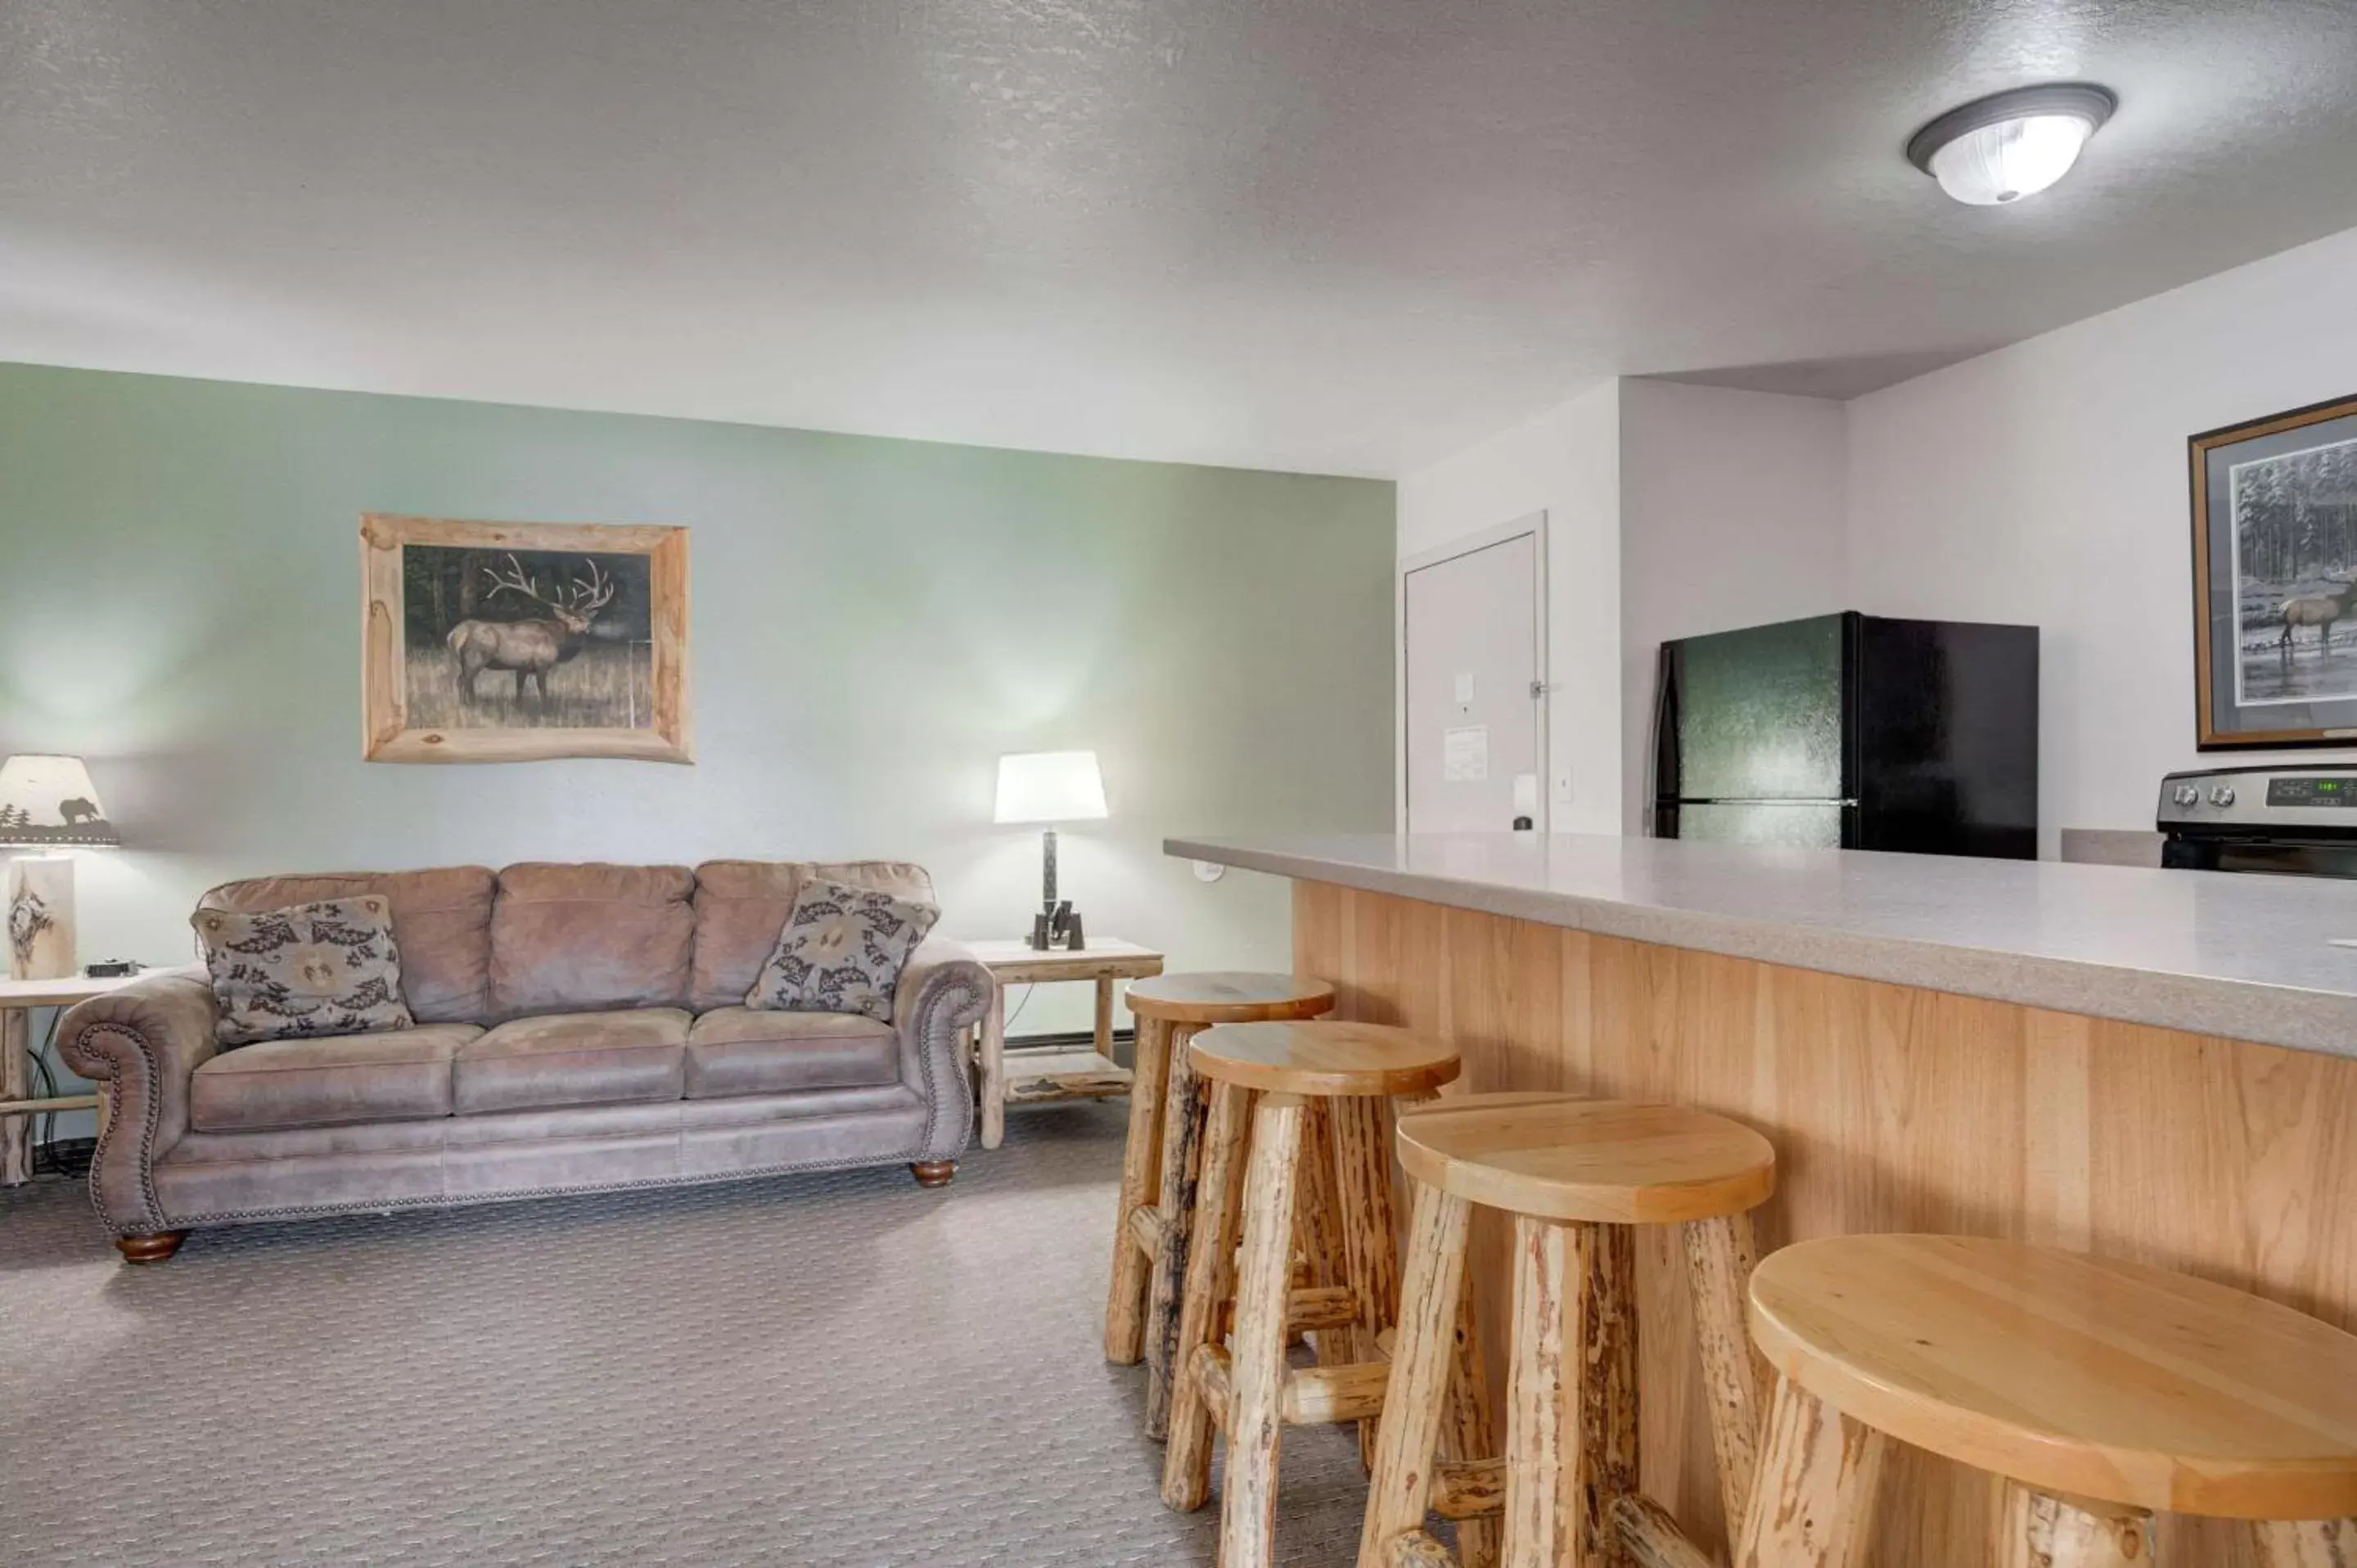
(2275,580)
(515,641)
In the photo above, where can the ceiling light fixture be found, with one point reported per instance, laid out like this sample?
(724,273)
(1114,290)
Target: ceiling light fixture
(2010,144)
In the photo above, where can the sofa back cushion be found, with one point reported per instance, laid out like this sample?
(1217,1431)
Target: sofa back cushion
(577,938)
(742,904)
(441,921)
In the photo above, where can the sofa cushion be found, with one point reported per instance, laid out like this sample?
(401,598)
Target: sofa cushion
(739,1050)
(573,1058)
(442,919)
(572,938)
(842,950)
(309,972)
(401,1076)
(742,904)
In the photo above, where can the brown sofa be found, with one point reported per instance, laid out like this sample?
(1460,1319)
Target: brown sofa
(579,1028)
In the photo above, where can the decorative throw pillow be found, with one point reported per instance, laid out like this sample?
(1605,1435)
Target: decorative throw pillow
(840,951)
(330,968)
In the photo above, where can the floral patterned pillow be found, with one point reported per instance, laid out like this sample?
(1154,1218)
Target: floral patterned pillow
(330,968)
(840,951)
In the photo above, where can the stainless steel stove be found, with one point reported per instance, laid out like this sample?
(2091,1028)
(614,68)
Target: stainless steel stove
(2295,818)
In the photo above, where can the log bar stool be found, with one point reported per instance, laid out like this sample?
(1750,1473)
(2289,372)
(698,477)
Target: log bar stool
(2098,1389)
(1156,1168)
(1266,1076)
(1577,1174)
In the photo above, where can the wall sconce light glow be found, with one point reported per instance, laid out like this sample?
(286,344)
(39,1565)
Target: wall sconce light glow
(1998,149)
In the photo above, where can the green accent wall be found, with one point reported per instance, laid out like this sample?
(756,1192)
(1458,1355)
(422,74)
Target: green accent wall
(874,621)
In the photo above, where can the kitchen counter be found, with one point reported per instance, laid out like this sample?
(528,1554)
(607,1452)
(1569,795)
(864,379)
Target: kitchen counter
(2154,1065)
(2203,952)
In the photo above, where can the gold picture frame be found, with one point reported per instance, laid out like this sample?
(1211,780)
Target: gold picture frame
(2275,580)
(522,641)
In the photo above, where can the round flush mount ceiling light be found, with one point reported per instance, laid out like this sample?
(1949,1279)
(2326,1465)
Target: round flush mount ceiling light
(2000,148)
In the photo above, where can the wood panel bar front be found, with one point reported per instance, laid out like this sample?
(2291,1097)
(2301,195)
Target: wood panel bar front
(1892,1108)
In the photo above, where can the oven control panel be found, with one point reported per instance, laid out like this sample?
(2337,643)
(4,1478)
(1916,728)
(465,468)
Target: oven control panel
(2311,790)
(2259,800)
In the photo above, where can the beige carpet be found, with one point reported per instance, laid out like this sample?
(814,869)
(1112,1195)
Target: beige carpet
(837,1369)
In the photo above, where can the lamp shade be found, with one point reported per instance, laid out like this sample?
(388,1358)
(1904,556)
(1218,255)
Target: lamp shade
(1050,786)
(47,800)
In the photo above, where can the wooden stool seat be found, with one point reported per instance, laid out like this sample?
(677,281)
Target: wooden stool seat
(2071,1374)
(1324,1058)
(1606,1162)
(1229,996)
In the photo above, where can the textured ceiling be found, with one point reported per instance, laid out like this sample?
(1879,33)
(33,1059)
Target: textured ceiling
(1324,236)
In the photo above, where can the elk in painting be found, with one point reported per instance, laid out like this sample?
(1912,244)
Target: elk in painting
(533,647)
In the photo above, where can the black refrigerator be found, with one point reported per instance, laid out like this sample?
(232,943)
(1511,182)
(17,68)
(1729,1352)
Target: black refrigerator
(1851,732)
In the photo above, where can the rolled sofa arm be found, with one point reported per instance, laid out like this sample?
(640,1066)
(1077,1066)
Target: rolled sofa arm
(143,1042)
(943,991)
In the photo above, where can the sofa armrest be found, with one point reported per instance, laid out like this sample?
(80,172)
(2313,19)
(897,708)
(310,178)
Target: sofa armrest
(143,1042)
(943,991)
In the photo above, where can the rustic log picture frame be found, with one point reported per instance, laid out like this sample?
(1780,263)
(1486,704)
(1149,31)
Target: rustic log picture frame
(2269,667)
(537,652)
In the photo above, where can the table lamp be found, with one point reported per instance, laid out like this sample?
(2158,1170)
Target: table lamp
(46,802)
(1050,787)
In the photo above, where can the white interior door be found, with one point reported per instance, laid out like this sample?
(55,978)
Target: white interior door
(1474,672)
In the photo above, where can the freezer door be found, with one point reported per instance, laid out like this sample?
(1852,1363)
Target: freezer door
(1948,737)
(1758,714)
(1808,824)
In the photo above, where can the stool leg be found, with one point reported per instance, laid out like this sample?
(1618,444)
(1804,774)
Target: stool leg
(1184,1112)
(1318,1226)
(1263,1289)
(1542,1515)
(2307,1544)
(1187,1464)
(1363,1180)
(1469,1435)
(1813,1499)
(1125,1333)
(1414,1399)
(1606,1465)
(1720,1255)
(2039,1530)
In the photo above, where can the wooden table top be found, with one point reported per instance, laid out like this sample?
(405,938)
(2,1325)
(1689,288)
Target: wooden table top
(1106,958)
(2071,1373)
(61,993)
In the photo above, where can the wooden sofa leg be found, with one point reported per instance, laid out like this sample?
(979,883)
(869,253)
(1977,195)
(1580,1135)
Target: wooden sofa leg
(151,1249)
(929,1173)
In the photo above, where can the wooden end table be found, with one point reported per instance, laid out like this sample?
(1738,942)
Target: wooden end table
(1047,1075)
(17,1000)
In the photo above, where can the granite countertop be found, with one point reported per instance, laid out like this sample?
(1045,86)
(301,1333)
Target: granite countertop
(2243,956)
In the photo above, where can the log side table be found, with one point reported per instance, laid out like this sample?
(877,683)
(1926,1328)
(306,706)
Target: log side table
(1049,1075)
(17,1000)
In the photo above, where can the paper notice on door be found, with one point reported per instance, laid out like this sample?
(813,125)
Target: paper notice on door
(1464,755)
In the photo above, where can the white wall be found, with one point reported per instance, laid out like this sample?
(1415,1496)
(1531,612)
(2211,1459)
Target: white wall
(1732,514)
(2045,483)
(1566,463)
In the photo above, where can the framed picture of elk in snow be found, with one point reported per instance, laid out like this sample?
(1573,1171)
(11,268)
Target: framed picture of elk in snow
(517,641)
(2275,580)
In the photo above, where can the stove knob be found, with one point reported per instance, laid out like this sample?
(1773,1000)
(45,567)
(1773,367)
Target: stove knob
(2222,794)
(2186,795)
